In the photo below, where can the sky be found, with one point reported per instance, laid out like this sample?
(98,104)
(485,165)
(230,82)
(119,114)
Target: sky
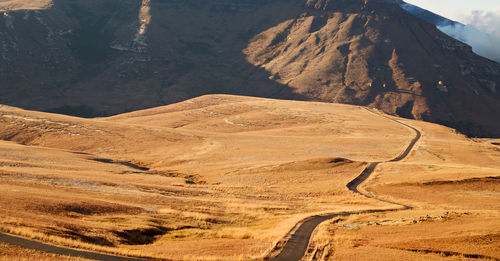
(457,9)
(480,17)
(483,14)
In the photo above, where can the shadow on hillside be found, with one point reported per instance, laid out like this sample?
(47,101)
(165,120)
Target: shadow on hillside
(194,48)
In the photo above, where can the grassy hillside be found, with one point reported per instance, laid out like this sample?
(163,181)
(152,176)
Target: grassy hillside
(226,177)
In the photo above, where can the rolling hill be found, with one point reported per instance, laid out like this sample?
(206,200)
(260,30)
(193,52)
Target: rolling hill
(227,177)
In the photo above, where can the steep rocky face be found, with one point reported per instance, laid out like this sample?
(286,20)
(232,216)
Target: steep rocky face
(45,53)
(372,53)
(101,57)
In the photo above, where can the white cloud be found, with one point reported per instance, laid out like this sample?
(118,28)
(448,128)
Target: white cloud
(488,22)
(482,32)
(484,44)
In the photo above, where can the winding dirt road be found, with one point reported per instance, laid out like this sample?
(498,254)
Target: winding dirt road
(31,244)
(296,247)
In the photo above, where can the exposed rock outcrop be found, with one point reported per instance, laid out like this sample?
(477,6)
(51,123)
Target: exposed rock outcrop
(89,57)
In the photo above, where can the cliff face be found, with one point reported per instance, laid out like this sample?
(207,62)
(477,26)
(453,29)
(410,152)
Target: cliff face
(373,53)
(100,57)
(44,53)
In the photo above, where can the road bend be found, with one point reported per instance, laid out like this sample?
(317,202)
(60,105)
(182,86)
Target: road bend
(296,246)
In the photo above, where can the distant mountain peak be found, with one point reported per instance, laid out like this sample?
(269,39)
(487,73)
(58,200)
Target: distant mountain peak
(426,15)
(105,57)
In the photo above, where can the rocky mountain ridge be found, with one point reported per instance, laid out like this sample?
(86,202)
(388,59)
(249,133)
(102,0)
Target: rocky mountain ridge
(102,57)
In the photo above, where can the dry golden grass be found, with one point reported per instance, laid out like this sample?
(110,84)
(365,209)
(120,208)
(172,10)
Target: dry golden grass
(453,183)
(416,235)
(223,177)
(23,4)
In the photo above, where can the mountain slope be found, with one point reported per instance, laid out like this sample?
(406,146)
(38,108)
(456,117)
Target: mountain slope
(426,15)
(93,58)
(381,56)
